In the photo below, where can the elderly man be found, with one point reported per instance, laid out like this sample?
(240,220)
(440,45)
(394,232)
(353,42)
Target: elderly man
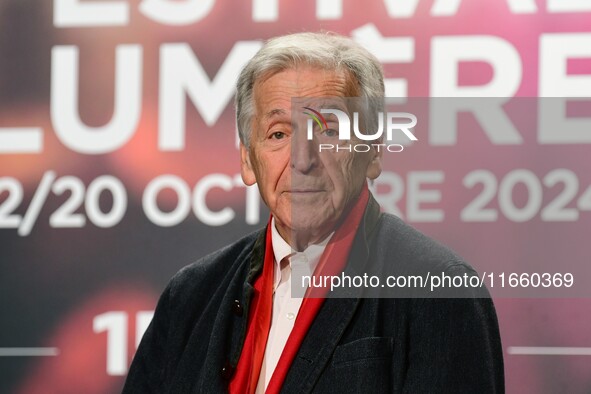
(229,322)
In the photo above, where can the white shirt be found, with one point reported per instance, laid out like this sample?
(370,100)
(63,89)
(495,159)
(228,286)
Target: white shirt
(285,307)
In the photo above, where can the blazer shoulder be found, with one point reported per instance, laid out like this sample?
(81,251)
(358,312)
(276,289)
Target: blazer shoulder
(414,249)
(402,250)
(215,267)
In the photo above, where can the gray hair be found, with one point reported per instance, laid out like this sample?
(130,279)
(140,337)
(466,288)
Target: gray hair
(325,50)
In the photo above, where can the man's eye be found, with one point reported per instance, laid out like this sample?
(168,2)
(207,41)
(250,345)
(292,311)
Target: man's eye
(278,135)
(330,132)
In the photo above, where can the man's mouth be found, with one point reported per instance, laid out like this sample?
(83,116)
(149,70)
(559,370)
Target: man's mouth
(305,191)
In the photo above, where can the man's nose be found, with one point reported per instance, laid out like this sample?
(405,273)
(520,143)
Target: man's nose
(304,156)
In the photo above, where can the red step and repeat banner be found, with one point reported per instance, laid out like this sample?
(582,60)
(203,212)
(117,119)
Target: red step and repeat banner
(119,165)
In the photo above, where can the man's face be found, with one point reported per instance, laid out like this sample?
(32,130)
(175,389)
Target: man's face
(306,190)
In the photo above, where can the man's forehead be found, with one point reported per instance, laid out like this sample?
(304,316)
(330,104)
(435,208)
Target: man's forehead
(332,102)
(308,81)
(279,94)
(275,112)
(300,104)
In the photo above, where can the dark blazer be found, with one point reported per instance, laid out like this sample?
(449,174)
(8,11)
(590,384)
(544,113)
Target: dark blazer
(355,344)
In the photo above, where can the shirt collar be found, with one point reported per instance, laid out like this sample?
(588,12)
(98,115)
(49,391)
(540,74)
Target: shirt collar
(281,249)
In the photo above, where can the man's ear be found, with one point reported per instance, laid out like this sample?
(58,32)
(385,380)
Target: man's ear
(374,168)
(246,170)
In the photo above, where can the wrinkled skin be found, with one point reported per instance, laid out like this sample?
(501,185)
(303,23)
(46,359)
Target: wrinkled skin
(307,191)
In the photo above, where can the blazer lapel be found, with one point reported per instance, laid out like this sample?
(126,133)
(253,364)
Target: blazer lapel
(319,344)
(334,316)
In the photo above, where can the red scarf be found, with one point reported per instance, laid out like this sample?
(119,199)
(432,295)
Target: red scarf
(332,262)
(259,322)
